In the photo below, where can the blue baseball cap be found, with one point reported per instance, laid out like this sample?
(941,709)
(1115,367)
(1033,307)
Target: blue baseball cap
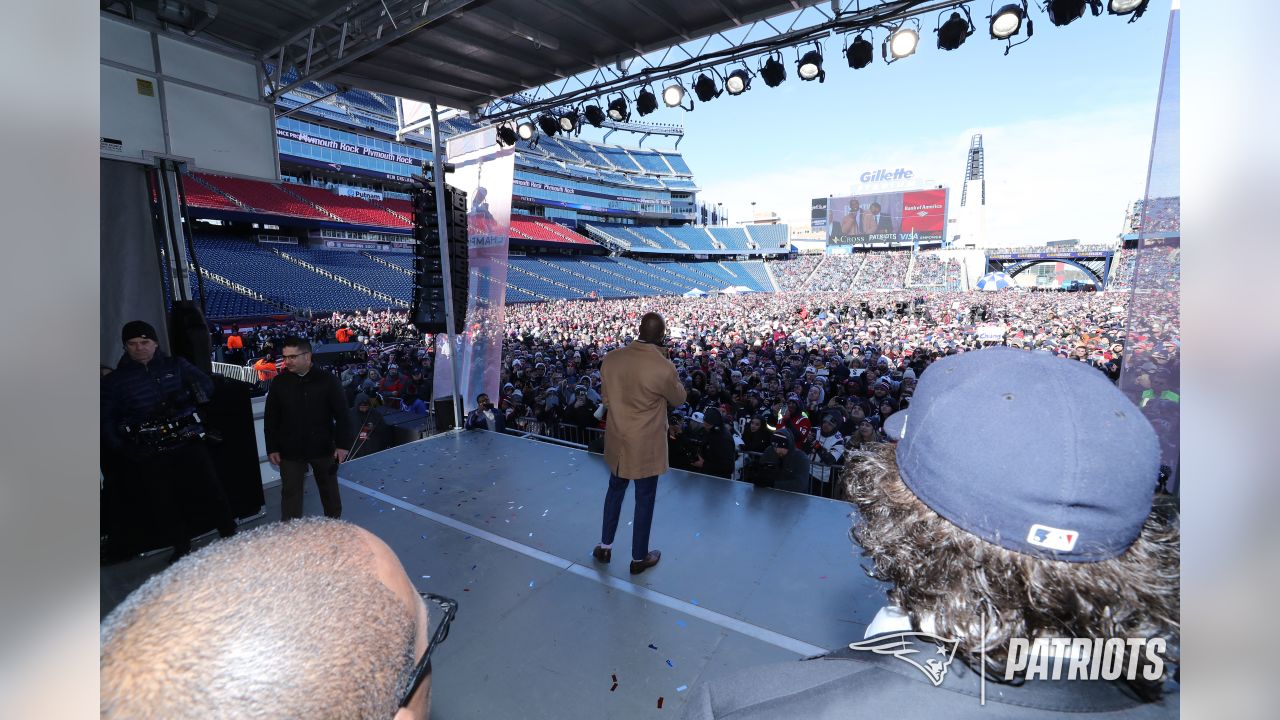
(1036,454)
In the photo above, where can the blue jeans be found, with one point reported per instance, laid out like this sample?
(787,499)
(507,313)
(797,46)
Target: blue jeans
(646,492)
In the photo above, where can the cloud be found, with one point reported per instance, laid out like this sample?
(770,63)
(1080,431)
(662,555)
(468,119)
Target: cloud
(1047,179)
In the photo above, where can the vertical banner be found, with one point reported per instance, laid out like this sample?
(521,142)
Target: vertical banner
(485,173)
(1151,374)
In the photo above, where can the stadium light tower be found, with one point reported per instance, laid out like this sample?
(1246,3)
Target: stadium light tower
(974,170)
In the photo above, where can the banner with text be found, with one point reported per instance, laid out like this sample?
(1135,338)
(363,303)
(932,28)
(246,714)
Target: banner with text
(899,216)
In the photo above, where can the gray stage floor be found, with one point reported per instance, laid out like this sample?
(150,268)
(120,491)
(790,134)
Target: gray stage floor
(506,526)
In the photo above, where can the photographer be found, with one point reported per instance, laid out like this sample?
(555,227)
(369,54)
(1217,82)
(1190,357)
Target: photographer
(718,454)
(781,466)
(148,407)
(485,417)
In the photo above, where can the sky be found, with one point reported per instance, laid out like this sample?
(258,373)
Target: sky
(1066,119)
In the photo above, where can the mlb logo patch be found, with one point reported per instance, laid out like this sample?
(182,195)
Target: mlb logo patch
(1053,538)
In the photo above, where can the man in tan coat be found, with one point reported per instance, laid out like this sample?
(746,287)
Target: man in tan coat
(639,384)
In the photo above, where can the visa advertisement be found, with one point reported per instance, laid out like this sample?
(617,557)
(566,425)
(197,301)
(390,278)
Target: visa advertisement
(887,217)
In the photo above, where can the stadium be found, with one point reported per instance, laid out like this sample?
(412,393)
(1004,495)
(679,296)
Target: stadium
(457,210)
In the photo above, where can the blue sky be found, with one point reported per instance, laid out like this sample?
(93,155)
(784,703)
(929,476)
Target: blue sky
(1067,121)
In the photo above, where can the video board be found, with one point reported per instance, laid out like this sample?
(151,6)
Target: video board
(894,216)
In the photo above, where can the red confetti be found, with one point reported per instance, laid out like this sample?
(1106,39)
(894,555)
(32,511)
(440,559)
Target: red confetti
(659,703)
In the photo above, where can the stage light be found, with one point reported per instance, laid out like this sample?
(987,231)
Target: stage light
(809,66)
(594,115)
(569,121)
(860,53)
(646,102)
(673,95)
(1007,21)
(705,88)
(902,42)
(773,72)
(506,135)
(618,110)
(1065,12)
(738,82)
(548,124)
(525,130)
(953,32)
(1126,7)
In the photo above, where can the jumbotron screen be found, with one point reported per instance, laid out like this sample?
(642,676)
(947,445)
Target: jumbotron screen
(897,216)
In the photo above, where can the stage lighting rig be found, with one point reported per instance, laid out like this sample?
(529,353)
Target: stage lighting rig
(569,121)
(594,115)
(957,29)
(525,130)
(548,124)
(809,66)
(705,88)
(860,53)
(773,72)
(1135,8)
(1008,21)
(901,43)
(738,82)
(1065,12)
(646,102)
(618,109)
(506,135)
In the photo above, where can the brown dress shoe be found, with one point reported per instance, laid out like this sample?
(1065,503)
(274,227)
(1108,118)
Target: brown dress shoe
(639,566)
(602,554)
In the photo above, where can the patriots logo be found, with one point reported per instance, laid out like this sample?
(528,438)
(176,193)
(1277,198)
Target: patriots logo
(899,645)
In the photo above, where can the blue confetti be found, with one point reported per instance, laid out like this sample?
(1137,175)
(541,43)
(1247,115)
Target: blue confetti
(530,583)
(682,688)
(670,664)
(652,646)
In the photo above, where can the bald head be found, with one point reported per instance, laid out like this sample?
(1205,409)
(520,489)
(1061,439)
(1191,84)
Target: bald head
(652,328)
(310,618)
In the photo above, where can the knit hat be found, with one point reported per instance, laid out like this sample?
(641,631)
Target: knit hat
(138,329)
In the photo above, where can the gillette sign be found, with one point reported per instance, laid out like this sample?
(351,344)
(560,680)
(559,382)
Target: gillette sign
(872,176)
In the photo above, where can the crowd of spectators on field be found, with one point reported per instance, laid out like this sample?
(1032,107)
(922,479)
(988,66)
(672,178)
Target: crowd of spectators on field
(782,375)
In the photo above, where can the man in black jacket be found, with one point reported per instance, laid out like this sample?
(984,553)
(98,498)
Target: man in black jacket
(148,415)
(306,423)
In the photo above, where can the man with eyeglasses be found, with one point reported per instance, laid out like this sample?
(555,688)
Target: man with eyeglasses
(309,619)
(306,424)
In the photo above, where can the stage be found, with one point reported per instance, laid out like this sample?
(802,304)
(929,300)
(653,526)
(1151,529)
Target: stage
(506,526)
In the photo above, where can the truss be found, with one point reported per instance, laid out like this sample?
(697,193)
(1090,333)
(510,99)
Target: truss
(809,26)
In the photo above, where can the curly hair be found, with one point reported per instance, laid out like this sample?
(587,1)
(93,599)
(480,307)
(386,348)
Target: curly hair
(939,571)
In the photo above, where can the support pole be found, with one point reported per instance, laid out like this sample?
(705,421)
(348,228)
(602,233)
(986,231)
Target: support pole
(437,177)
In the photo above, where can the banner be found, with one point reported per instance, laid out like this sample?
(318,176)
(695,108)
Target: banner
(484,172)
(566,190)
(818,214)
(911,216)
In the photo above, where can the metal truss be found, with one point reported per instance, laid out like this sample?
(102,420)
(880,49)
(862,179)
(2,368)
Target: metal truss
(974,169)
(808,26)
(348,33)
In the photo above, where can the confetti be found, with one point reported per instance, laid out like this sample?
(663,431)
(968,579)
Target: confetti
(682,688)
(659,703)
(615,678)
(670,664)
(694,601)
(652,646)
(681,623)
(530,583)
(615,687)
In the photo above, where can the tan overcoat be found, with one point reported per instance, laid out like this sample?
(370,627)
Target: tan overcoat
(639,383)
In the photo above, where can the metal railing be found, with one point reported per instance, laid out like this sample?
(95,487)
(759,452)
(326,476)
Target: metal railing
(236,372)
(560,433)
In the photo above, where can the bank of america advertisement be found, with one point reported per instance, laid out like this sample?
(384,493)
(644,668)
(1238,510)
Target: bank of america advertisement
(899,216)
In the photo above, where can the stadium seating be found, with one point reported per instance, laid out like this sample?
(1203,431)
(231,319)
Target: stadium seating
(651,162)
(770,237)
(792,274)
(677,163)
(264,197)
(931,270)
(223,302)
(883,271)
(620,159)
(546,231)
(359,269)
(265,272)
(349,209)
(202,196)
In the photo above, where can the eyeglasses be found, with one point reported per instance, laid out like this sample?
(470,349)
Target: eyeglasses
(295,357)
(423,668)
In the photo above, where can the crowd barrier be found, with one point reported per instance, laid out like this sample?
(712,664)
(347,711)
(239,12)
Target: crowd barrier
(236,372)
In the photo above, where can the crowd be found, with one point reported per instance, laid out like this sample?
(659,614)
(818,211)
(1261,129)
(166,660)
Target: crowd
(931,270)
(754,365)
(1157,215)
